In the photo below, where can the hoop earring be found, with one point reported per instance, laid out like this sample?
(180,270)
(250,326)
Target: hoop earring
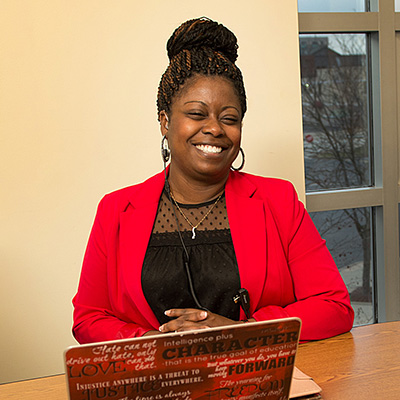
(165,152)
(242,164)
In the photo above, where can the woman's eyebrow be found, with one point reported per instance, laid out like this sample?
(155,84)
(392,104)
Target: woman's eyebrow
(204,104)
(196,101)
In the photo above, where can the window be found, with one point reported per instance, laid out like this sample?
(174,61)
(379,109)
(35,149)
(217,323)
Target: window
(348,235)
(334,83)
(350,123)
(331,5)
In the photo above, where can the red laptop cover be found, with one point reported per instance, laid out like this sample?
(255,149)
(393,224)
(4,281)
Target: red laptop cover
(246,361)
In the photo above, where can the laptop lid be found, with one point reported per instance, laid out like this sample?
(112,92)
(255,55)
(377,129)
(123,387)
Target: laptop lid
(245,361)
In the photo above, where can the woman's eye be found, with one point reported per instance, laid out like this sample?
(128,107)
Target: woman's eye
(195,114)
(230,120)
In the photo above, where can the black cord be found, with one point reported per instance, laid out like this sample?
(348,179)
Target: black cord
(186,259)
(242,297)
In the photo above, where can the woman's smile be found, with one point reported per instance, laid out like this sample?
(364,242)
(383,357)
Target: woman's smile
(208,149)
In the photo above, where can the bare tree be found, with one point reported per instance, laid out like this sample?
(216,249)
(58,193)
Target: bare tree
(335,117)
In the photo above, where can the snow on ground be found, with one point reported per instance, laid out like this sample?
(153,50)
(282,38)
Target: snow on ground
(352,275)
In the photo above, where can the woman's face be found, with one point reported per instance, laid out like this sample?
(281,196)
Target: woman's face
(204,129)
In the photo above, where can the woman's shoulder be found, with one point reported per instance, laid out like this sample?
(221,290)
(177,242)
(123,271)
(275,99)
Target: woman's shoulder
(278,195)
(264,186)
(136,195)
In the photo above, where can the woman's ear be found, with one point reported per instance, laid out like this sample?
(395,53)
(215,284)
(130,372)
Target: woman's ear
(164,122)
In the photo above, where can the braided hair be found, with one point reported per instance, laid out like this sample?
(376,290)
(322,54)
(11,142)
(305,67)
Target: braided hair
(200,47)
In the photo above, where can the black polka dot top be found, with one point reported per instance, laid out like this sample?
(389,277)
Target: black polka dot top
(212,260)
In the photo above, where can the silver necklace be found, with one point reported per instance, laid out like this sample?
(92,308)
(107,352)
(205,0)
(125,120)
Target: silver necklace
(186,218)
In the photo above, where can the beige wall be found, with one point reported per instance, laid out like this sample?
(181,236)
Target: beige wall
(78,83)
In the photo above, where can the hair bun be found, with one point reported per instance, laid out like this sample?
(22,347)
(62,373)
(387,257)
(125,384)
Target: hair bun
(203,32)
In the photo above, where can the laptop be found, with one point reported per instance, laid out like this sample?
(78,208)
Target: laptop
(245,361)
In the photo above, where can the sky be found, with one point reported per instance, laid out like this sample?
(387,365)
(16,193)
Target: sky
(335,5)
(331,5)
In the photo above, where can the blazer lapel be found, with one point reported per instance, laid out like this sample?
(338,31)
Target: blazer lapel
(247,223)
(136,224)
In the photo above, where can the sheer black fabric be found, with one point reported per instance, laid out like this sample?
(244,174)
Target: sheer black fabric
(213,264)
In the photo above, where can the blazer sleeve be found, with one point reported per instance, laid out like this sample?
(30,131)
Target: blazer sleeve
(95,319)
(321,299)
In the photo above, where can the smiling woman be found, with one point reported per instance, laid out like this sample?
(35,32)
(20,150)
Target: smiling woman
(176,252)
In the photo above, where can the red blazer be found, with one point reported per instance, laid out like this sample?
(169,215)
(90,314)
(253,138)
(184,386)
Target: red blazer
(282,260)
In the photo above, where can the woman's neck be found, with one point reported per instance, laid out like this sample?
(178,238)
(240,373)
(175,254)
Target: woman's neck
(188,191)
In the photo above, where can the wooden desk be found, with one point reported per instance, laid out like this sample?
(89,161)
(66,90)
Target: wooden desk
(362,364)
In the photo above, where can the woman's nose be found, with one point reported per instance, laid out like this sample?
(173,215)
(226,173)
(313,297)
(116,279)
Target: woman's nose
(213,127)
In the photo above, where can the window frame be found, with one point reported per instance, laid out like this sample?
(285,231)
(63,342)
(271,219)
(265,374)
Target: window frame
(383,26)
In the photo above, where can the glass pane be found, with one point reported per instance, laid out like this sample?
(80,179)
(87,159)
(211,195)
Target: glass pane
(331,5)
(397,5)
(335,101)
(348,237)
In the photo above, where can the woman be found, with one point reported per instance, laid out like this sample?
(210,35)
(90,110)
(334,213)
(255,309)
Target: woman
(175,252)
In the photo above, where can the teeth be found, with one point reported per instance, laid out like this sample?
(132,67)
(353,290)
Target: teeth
(209,149)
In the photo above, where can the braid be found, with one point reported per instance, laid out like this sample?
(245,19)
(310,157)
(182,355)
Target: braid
(204,47)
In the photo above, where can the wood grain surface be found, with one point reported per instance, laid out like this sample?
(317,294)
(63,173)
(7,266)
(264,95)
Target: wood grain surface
(362,364)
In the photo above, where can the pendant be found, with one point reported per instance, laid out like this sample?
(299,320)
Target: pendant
(193,233)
